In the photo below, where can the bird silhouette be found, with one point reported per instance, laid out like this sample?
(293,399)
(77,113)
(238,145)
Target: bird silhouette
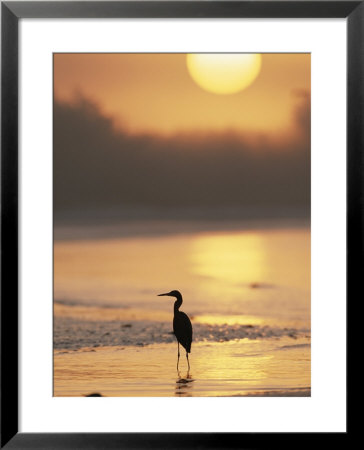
(182,326)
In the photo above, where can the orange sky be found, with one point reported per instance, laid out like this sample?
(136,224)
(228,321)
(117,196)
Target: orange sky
(155,93)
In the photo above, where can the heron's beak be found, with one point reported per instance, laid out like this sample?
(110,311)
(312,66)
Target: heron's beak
(161,295)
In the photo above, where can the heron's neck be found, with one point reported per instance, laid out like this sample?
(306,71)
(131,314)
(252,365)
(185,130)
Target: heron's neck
(177,304)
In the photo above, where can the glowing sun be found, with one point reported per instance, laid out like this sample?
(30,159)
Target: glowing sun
(224,73)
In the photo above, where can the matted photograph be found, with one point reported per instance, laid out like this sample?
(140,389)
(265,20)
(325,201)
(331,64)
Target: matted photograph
(181,221)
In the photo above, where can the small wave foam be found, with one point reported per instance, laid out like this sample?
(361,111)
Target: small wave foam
(73,334)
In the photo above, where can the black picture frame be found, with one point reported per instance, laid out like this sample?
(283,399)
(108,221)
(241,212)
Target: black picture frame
(11,13)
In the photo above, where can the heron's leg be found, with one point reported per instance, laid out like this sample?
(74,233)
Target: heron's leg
(178,355)
(188,362)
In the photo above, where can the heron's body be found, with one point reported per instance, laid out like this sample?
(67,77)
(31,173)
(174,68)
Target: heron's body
(183,330)
(182,326)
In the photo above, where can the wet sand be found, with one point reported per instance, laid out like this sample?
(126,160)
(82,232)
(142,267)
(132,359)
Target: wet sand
(269,367)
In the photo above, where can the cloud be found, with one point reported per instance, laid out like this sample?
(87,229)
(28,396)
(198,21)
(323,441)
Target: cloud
(97,166)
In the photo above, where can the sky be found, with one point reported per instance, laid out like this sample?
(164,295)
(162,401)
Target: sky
(137,130)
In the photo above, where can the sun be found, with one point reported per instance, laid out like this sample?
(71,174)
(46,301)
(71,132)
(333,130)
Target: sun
(224,73)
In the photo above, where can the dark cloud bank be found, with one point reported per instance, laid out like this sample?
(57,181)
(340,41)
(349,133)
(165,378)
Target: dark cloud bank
(98,168)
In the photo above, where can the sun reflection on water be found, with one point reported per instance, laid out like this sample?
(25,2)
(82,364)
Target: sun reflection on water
(233,258)
(228,320)
(227,263)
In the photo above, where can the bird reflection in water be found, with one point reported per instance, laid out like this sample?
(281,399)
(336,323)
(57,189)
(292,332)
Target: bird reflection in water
(184,385)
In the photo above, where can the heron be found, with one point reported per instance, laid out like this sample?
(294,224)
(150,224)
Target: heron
(182,326)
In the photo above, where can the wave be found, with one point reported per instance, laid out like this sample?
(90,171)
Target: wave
(73,334)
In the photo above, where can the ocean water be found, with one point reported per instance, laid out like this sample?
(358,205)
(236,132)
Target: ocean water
(246,288)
